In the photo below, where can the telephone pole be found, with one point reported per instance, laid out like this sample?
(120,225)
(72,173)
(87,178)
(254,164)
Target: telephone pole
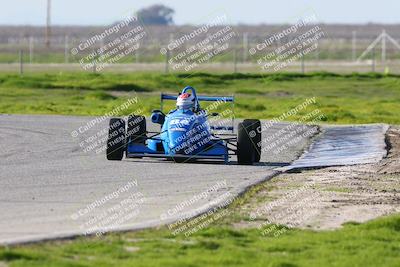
(354,44)
(48,24)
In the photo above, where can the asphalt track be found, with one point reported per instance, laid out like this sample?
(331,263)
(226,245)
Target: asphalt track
(53,185)
(47,180)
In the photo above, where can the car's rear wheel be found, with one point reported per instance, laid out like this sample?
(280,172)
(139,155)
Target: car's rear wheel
(116,139)
(136,129)
(256,137)
(245,148)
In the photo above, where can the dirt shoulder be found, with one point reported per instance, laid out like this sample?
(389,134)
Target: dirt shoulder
(326,198)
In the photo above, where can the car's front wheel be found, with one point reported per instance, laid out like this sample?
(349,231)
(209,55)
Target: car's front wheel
(116,139)
(255,134)
(246,154)
(136,129)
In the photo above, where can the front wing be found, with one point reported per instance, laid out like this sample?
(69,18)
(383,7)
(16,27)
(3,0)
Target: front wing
(216,151)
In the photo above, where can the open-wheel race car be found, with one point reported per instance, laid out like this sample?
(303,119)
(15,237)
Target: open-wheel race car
(185,134)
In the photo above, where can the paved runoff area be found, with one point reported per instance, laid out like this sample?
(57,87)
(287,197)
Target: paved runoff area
(345,145)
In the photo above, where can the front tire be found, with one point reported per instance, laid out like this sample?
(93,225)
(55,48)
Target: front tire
(136,129)
(116,139)
(256,137)
(245,148)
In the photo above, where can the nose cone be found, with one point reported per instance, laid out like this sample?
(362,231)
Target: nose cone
(178,140)
(179,132)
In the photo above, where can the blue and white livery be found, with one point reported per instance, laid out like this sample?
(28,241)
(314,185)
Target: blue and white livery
(185,134)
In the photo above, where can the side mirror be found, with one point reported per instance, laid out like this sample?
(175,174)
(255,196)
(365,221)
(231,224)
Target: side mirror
(157,111)
(158,117)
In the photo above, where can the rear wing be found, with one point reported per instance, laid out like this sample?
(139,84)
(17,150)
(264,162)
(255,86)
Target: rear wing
(225,99)
(201,98)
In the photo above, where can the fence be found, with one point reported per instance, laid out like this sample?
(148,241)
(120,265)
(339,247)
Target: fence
(332,54)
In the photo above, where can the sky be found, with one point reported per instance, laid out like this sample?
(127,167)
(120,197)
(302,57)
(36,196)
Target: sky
(100,12)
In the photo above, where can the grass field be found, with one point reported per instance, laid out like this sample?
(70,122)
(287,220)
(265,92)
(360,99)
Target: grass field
(355,98)
(376,243)
(223,243)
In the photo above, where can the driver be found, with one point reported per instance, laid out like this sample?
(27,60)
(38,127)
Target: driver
(185,101)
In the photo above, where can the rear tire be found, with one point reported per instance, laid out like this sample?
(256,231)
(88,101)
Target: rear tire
(245,148)
(116,139)
(256,127)
(136,129)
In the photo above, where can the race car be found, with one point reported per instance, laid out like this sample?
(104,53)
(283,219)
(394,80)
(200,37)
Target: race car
(185,134)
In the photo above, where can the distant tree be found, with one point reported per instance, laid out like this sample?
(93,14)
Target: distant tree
(156,14)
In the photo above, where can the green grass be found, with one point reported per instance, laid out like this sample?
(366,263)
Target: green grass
(354,98)
(376,243)
(338,189)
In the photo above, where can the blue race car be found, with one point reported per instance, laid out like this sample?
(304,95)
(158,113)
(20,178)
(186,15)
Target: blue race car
(185,135)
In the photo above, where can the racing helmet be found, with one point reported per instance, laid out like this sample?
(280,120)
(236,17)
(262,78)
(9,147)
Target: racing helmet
(185,101)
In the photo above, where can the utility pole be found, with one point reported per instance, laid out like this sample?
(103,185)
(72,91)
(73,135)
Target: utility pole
(167,56)
(245,46)
(354,43)
(30,50)
(137,55)
(21,62)
(235,60)
(66,49)
(373,60)
(384,48)
(48,24)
